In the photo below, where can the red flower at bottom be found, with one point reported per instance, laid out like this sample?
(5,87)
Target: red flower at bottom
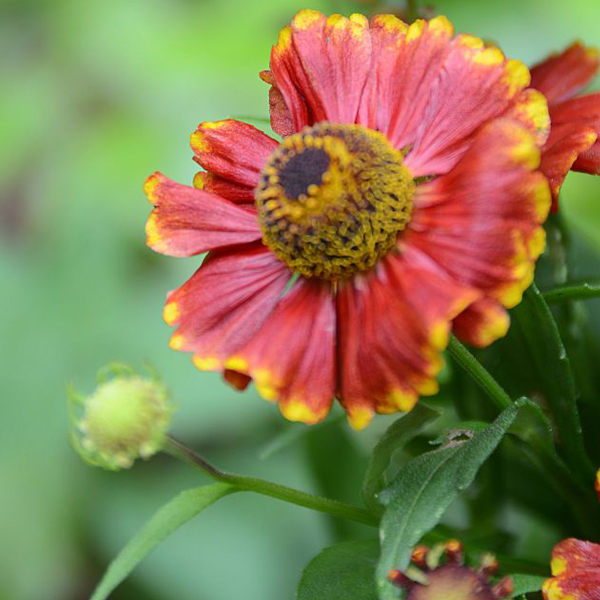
(576,571)
(404,196)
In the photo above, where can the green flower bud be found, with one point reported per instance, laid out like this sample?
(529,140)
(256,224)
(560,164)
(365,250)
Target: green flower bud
(125,418)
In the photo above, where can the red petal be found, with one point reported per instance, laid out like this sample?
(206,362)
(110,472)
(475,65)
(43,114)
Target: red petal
(292,358)
(233,150)
(406,65)
(531,110)
(225,303)
(589,161)
(562,76)
(320,65)
(585,112)
(481,222)
(281,118)
(572,554)
(482,323)
(565,144)
(475,84)
(393,324)
(187,221)
(213,184)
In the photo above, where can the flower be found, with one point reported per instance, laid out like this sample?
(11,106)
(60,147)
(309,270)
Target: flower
(575,571)
(573,142)
(125,418)
(404,195)
(428,579)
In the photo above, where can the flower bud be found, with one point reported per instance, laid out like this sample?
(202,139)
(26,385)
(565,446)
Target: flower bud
(125,418)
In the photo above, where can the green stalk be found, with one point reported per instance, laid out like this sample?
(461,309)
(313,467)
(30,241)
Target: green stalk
(479,373)
(274,490)
(412,10)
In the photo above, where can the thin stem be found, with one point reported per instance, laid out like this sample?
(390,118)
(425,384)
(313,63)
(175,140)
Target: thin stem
(274,490)
(412,10)
(573,291)
(479,373)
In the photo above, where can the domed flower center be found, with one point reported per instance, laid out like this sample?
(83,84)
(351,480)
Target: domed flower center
(332,200)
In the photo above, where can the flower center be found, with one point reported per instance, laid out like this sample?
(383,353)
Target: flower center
(332,200)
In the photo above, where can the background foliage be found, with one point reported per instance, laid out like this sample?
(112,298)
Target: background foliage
(95,96)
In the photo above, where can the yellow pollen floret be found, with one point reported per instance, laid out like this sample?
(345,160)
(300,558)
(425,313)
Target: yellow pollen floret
(177,341)
(403,400)
(359,416)
(150,186)
(333,199)
(558,565)
(441,25)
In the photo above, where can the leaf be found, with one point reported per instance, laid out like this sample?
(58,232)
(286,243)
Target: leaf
(398,434)
(169,518)
(533,426)
(341,572)
(555,377)
(524,584)
(423,490)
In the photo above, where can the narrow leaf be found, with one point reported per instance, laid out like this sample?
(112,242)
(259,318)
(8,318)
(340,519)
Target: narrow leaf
(342,572)
(423,490)
(555,377)
(169,518)
(399,433)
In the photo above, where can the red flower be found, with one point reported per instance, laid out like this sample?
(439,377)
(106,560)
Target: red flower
(404,194)
(573,141)
(576,571)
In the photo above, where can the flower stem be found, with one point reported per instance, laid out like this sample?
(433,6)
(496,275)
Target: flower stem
(274,490)
(574,291)
(412,10)
(479,373)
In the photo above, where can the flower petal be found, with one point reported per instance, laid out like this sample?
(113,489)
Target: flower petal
(565,144)
(225,303)
(292,358)
(482,323)
(572,554)
(405,66)
(281,118)
(531,110)
(393,325)
(576,571)
(589,161)
(475,84)
(562,76)
(481,222)
(233,150)
(225,188)
(585,112)
(187,221)
(320,65)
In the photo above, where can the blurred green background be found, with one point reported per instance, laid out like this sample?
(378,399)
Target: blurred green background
(96,95)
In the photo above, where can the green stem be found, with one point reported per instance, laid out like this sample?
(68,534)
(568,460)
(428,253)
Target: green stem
(479,373)
(573,291)
(412,10)
(274,490)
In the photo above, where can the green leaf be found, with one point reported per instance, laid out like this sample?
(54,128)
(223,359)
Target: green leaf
(423,490)
(573,291)
(555,377)
(342,572)
(534,427)
(169,518)
(524,584)
(399,433)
